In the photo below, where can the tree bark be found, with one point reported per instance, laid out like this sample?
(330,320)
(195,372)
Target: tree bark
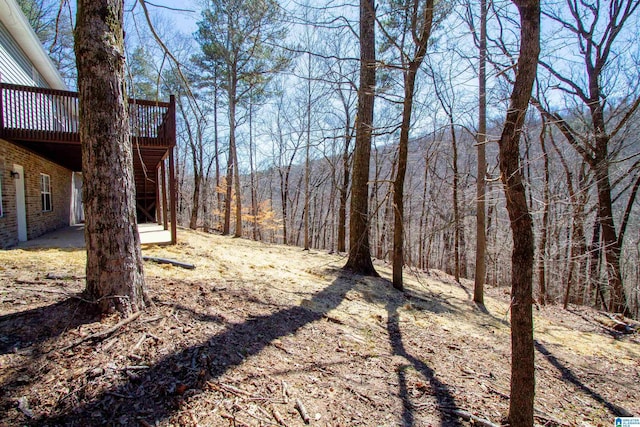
(421,37)
(253,178)
(359,251)
(115,279)
(481,234)
(544,230)
(236,179)
(454,196)
(344,191)
(216,143)
(226,224)
(522,349)
(307,165)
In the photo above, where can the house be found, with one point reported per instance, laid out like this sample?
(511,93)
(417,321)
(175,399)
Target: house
(40,153)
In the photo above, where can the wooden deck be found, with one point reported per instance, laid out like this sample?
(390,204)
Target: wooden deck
(49,115)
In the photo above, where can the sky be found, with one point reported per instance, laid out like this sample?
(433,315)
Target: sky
(184,13)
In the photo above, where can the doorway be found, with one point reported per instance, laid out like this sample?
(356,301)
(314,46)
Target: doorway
(21,206)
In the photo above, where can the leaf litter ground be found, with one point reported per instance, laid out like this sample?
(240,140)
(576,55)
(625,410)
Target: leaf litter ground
(260,335)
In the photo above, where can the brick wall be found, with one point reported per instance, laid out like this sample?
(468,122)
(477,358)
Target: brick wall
(38,222)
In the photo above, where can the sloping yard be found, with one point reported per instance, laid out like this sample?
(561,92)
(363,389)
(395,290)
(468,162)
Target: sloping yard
(260,335)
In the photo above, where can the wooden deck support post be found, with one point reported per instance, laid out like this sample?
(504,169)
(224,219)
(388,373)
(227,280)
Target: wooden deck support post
(165,210)
(158,190)
(172,185)
(172,173)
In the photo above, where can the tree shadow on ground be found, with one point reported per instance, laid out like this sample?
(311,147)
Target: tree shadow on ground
(152,396)
(439,390)
(32,327)
(569,376)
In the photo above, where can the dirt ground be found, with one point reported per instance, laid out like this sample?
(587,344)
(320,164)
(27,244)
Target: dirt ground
(260,335)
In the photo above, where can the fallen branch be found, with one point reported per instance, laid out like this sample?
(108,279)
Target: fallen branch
(31,282)
(360,395)
(23,405)
(548,418)
(169,261)
(120,395)
(620,325)
(139,343)
(262,420)
(278,417)
(229,388)
(104,334)
(303,411)
(468,416)
(51,276)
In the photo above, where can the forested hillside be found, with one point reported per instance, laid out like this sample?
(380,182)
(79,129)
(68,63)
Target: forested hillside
(309,111)
(462,177)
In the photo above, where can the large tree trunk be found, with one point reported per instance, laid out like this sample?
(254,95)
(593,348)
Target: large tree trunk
(344,191)
(359,251)
(410,71)
(284,197)
(544,229)
(398,184)
(307,166)
(456,206)
(195,201)
(115,277)
(481,235)
(612,244)
(238,189)
(522,349)
(215,142)
(233,155)
(253,178)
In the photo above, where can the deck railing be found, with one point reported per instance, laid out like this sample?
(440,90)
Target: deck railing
(48,115)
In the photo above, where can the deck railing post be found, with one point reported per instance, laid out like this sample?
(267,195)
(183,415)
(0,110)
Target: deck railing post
(172,120)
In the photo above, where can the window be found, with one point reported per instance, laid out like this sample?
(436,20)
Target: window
(45,192)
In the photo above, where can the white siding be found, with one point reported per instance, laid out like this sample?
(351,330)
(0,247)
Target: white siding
(15,67)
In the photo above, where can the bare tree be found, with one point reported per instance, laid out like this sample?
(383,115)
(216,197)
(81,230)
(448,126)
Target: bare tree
(445,92)
(341,76)
(409,29)
(115,277)
(481,140)
(597,28)
(544,230)
(359,251)
(522,358)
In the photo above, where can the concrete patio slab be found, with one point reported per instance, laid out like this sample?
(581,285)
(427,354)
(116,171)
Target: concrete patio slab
(73,237)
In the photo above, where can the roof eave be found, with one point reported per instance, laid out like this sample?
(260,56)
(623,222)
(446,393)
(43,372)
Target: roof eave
(20,29)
